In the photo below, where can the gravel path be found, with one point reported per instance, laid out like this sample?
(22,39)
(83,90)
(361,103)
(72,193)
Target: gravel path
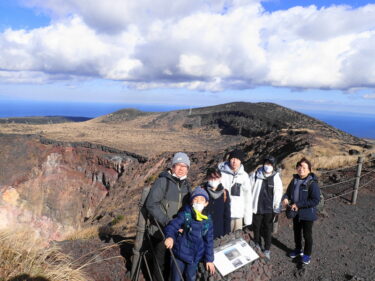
(344,244)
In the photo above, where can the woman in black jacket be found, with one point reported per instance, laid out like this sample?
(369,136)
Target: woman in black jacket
(219,204)
(303,196)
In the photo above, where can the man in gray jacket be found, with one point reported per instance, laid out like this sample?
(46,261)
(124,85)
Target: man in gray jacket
(167,195)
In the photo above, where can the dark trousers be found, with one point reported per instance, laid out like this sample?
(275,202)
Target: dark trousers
(189,271)
(300,226)
(262,225)
(161,260)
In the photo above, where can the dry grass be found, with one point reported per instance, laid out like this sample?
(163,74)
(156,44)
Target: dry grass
(84,233)
(327,154)
(23,254)
(129,136)
(334,161)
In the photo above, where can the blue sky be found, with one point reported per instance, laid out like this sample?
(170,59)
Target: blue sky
(315,57)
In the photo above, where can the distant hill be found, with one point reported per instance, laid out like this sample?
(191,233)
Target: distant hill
(126,114)
(43,119)
(237,118)
(220,127)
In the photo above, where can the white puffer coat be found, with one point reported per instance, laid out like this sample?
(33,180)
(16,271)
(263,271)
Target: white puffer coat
(256,180)
(240,194)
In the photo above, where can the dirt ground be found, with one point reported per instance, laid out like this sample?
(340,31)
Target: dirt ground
(344,243)
(129,136)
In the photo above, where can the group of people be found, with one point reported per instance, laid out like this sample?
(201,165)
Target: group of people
(188,220)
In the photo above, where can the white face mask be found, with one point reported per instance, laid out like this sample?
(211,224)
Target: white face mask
(198,206)
(214,183)
(181,178)
(268,169)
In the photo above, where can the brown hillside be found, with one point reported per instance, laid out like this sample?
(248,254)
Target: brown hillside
(59,160)
(208,128)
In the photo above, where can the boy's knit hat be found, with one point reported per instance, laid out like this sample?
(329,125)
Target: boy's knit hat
(199,191)
(181,157)
(237,154)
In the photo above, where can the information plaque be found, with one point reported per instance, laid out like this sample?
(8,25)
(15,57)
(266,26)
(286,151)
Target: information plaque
(233,255)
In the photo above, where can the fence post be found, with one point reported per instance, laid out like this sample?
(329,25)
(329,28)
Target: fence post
(141,225)
(357,179)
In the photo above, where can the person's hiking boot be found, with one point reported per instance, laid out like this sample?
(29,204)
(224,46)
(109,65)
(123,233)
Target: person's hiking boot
(295,253)
(267,254)
(306,259)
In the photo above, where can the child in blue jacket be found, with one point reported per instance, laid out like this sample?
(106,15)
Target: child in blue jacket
(190,236)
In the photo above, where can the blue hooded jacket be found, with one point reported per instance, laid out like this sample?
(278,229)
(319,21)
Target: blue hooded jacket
(194,243)
(308,199)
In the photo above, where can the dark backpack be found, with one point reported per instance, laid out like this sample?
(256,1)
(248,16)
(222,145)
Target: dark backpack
(188,220)
(320,206)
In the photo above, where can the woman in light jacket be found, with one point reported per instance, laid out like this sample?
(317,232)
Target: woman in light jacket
(303,195)
(267,190)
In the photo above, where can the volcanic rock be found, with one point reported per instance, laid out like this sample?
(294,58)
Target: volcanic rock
(54,188)
(100,261)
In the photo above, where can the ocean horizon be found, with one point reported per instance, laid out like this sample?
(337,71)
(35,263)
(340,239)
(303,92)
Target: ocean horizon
(359,125)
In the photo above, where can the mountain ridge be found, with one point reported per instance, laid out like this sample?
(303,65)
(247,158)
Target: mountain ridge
(236,118)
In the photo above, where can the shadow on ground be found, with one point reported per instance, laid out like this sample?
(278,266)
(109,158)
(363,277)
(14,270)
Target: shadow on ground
(26,277)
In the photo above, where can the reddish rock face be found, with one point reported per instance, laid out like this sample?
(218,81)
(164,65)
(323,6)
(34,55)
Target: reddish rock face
(54,187)
(57,187)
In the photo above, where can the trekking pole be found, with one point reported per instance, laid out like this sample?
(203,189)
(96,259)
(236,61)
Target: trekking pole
(153,255)
(147,267)
(170,250)
(138,270)
(140,233)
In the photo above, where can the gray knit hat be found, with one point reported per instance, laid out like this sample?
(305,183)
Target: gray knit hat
(181,157)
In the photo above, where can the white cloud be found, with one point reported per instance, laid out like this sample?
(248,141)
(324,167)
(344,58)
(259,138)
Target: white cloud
(67,49)
(369,96)
(207,45)
(115,15)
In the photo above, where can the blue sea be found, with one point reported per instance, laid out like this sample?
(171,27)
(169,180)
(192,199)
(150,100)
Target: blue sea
(358,125)
(15,108)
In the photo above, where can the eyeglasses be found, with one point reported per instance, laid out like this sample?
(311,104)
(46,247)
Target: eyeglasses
(180,165)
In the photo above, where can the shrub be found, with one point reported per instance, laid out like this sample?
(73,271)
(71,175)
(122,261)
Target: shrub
(25,256)
(85,233)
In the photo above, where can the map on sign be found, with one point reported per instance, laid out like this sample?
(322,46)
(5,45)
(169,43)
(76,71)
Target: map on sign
(233,255)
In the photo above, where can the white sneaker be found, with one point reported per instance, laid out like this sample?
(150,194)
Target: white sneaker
(267,253)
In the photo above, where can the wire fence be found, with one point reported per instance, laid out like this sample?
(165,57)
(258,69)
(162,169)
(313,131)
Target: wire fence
(345,167)
(338,169)
(337,183)
(368,173)
(346,187)
(368,182)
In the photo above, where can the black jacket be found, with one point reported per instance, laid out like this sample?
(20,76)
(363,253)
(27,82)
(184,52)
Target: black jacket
(167,195)
(309,196)
(219,210)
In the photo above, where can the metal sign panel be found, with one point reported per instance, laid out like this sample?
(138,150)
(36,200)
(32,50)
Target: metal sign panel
(233,255)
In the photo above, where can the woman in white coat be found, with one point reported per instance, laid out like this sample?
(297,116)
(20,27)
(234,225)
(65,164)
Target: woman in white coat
(267,190)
